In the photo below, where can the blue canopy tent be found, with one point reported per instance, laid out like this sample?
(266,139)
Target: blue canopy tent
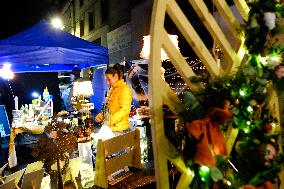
(43,48)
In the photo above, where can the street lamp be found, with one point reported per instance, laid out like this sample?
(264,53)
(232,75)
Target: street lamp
(57,23)
(6,72)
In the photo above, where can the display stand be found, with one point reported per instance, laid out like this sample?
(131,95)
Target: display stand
(87,173)
(20,125)
(4,130)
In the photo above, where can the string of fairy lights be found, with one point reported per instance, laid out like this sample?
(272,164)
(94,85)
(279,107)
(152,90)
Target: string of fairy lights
(175,80)
(139,80)
(11,89)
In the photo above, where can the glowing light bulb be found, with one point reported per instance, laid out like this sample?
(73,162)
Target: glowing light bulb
(242,92)
(35,94)
(228,183)
(204,172)
(250,109)
(6,72)
(57,23)
(273,124)
(246,130)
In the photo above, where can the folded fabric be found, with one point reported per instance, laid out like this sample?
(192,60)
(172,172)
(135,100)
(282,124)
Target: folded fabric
(266,185)
(208,132)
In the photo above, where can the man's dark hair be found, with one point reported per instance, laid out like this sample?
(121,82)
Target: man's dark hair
(76,72)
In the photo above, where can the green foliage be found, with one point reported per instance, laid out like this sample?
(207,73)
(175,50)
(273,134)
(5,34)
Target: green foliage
(248,91)
(257,34)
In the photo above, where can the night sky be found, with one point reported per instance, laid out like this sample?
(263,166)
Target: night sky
(18,15)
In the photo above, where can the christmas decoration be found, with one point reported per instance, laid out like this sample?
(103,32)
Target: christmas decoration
(256,158)
(208,133)
(54,148)
(80,132)
(262,25)
(88,127)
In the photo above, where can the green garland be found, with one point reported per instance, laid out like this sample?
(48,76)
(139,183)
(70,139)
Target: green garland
(248,91)
(257,33)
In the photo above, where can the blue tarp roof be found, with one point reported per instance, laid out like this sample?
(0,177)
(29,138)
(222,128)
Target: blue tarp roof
(43,48)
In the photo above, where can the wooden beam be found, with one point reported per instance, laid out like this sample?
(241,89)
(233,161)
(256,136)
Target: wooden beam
(192,37)
(118,162)
(186,174)
(155,100)
(216,32)
(178,60)
(115,144)
(169,97)
(241,52)
(242,8)
(136,159)
(227,14)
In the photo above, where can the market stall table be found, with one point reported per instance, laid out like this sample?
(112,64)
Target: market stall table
(28,127)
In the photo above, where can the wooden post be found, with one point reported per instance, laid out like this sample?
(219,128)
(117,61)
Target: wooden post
(100,173)
(137,150)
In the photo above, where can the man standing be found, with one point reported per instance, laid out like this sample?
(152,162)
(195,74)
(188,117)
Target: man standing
(74,77)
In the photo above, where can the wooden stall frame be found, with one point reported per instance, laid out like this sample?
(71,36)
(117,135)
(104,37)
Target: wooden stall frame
(159,91)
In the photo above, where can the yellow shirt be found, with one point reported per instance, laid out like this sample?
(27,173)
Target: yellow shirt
(118,100)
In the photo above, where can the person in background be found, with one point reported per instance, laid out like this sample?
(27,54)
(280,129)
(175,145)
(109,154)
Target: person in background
(74,77)
(118,102)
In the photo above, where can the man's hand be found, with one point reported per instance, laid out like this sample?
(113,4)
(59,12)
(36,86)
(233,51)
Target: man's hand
(99,117)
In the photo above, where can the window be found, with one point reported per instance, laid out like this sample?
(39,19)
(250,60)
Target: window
(81,3)
(81,28)
(104,10)
(91,21)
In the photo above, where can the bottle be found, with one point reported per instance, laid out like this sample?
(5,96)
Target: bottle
(31,111)
(45,94)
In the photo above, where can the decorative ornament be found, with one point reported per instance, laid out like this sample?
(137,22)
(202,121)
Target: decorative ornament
(269,20)
(132,111)
(216,174)
(236,103)
(204,173)
(55,147)
(266,185)
(273,141)
(253,102)
(80,132)
(207,131)
(88,127)
(267,127)
(270,153)
(271,61)
(279,71)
